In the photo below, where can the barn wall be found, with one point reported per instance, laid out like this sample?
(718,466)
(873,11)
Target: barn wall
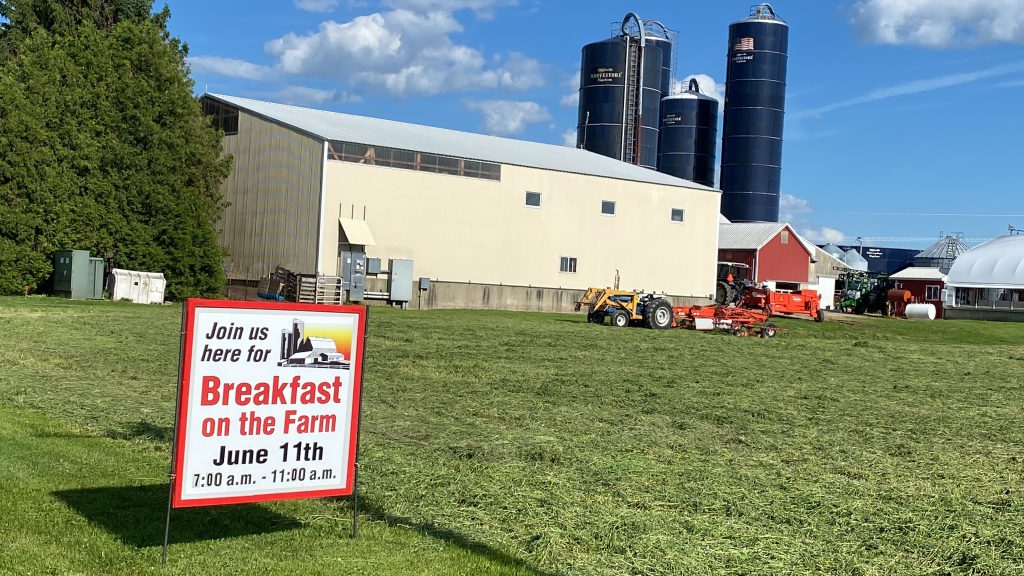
(917,288)
(274,199)
(778,262)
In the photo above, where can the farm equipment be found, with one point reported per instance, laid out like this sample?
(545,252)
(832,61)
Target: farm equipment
(864,293)
(731,277)
(737,321)
(626,308)
(774,302)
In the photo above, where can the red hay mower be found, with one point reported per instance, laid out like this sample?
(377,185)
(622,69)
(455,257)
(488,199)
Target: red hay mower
(776,302)
(736,321)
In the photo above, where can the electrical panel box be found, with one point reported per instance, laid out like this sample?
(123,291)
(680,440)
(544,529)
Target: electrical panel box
(424,283)
(353,273)
(96,277)
(373,265)
(400,280)
(72,275)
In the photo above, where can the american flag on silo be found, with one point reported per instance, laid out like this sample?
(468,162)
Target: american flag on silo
(743,45)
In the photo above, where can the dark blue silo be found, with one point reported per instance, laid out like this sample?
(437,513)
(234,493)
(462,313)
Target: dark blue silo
(661,39)
(755,102)
(603,97)
(688,135)
(620,94)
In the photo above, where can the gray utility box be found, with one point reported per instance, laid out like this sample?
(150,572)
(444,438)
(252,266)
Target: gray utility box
(424,283)
(77,276)
(353,273)
(400,280)
(373,265)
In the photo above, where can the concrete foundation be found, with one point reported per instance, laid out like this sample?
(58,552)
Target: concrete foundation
(469,296)
(991,314)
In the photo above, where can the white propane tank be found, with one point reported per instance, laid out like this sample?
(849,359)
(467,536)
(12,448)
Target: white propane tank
(920,311)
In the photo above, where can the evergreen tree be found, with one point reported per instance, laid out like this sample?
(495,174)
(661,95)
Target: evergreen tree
(107,150)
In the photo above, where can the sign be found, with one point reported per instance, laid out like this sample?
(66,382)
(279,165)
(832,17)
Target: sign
(605,75)
(268,403)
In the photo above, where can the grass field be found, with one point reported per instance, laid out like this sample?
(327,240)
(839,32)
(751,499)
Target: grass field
(511,443)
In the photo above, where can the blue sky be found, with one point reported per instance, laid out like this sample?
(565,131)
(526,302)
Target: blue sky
(901,118)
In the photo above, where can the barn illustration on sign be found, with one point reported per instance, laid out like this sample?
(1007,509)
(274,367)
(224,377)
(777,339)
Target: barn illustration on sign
(314,351)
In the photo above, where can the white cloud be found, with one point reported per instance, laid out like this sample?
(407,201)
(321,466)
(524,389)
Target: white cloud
(707,84)
(571,82)
(507,116)
(791,206)
(231,67)
(915,87)
(569,138)
(316,5)
(520,73)
(402,52)
(307,95)
(822,235)
(798,212)
(938,23)
(484,9)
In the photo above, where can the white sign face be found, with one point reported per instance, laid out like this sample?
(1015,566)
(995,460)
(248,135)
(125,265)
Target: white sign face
(269,402)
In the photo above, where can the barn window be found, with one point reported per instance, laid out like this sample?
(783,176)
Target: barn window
(533,199)
(678,215)
(223,117)
(410,160)
(931,292)
(784,236)
(567,264)
(608,208)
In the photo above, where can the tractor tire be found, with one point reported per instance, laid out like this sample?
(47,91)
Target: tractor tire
(596,317)
(659,314)
(619,318)
(821,316)
(722,294)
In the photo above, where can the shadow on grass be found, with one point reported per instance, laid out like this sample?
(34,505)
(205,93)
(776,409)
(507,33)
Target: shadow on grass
(143,430)
(135,514)
(371,509)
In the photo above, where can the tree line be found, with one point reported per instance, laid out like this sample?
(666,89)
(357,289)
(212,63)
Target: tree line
(103,146)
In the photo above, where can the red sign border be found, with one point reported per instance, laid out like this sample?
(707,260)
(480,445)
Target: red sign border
(179,442)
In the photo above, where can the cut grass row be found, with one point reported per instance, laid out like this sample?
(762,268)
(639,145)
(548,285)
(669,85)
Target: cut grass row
(541,442)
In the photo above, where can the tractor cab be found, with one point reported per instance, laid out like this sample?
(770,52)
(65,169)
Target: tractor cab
(732,276)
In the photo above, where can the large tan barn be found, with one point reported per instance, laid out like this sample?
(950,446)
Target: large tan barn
(493,222)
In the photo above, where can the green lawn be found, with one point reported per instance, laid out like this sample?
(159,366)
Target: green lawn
(517,443)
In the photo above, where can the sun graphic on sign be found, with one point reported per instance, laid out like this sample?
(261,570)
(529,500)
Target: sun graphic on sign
(340,334)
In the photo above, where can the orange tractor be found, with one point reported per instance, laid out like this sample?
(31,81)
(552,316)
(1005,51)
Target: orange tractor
(775,302)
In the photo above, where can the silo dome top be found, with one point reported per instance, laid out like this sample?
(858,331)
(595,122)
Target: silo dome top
(834,251)
(854,260)
(763,13)
(691,93)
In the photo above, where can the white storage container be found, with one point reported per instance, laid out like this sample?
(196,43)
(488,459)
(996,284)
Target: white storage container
(920,311)
(138,287)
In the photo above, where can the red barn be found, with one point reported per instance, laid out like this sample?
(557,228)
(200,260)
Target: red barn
(773,251)
(925,284)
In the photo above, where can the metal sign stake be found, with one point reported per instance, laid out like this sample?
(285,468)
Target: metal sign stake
(359,428)
(174,444)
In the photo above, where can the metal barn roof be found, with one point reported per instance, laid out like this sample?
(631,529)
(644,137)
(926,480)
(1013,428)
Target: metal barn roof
(998,263)
(747,235)
(327,125)
(914,273)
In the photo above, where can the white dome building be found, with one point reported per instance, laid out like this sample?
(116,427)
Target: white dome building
(987,282)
